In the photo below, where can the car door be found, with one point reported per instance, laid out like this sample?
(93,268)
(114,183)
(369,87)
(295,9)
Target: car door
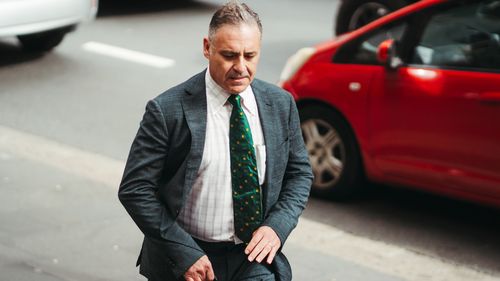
(436,122)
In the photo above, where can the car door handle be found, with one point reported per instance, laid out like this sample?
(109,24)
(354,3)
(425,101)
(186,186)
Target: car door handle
(354,86)
(489,97)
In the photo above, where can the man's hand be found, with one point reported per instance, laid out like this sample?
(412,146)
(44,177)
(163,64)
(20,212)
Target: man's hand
(265,242)
(201,270)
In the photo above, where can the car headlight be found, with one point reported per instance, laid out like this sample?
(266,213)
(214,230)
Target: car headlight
(294,63)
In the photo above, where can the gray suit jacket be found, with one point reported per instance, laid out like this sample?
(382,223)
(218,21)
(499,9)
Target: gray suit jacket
(164,160)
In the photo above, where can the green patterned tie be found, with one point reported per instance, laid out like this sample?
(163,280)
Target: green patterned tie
(247,202)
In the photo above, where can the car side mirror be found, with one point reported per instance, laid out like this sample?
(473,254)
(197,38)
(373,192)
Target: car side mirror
(387,54)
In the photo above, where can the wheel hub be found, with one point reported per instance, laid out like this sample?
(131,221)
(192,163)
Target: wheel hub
(326,152)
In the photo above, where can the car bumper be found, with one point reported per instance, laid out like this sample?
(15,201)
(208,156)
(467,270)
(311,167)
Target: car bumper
(19,17)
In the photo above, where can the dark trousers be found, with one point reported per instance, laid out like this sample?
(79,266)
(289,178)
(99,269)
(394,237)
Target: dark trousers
(230,263)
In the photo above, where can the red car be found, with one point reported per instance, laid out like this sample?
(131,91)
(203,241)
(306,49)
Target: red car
(410,99)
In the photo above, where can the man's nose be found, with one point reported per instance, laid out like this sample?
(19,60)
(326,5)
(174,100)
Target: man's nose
(239,65)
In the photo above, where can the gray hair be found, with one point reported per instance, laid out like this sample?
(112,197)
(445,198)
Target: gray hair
(233,13)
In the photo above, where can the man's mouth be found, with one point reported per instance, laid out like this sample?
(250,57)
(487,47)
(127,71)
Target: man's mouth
(238,79)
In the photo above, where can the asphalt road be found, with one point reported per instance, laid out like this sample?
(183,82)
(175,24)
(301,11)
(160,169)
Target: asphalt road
(67,119)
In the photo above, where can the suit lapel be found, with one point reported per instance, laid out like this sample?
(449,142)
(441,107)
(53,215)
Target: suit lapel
(265,106)
(194,105)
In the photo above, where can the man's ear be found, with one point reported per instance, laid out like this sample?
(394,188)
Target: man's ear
(206,47)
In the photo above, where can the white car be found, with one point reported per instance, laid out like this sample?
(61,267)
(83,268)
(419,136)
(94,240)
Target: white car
(41,25)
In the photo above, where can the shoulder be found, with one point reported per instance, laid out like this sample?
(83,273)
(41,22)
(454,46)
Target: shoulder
(178,91)
(276,94)
(271,88)
(171,98)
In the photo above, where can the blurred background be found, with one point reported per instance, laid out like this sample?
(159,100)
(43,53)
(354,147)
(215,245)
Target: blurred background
(69,115)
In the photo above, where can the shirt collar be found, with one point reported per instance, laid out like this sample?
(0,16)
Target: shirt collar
(218,97)
(248,100)
(215,94)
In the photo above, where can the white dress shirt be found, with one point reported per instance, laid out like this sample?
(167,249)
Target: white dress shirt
(208,211)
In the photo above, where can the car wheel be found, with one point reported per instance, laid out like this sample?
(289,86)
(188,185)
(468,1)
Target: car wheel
(353,14)
(43,41)
(333,153)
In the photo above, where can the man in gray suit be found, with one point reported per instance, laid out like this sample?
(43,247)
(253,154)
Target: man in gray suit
(218,173)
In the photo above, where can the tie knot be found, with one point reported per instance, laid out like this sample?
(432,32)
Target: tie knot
(235,100)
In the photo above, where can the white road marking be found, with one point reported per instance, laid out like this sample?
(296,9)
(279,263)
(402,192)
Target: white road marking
(81,163)
(379,256)
(314,236)
(129,55)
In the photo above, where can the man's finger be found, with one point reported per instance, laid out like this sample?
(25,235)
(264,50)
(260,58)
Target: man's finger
(265,251)
(194,277)
(253,242)
(257,249)
(201,273)
(271,255)
(210,273)
(197,271)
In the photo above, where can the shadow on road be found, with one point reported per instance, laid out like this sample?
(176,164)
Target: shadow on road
(457,231)
(130,7)
(12,53)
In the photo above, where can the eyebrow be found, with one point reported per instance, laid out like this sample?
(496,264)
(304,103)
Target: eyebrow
(227,52)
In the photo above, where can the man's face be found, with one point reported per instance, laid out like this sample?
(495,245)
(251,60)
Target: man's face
(233,55)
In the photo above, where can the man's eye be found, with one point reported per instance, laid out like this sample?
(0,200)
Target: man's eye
(228,56)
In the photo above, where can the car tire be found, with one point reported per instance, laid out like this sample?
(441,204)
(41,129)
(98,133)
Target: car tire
(353,14)
(333,153)
(43,41)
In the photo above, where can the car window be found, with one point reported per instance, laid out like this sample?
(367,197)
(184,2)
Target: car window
(364,50)
(466,36)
